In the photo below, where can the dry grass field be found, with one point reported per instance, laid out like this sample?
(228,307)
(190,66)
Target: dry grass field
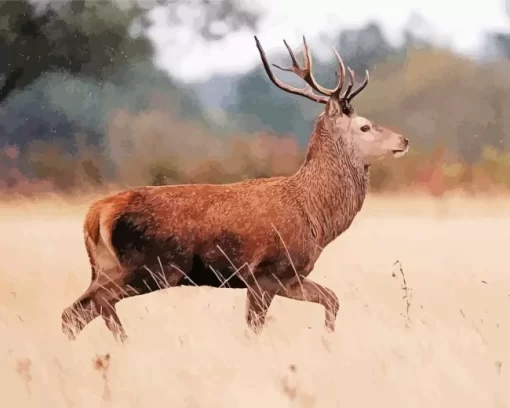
(190,347)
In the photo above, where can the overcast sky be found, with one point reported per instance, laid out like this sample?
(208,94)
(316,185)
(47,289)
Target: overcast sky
(457,23)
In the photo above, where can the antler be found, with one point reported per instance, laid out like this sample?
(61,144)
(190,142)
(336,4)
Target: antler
(306,74)
(348,96)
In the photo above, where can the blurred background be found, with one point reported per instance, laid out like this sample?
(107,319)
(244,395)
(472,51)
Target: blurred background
(104,93)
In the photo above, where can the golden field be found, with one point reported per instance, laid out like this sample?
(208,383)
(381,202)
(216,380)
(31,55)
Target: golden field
(190,347)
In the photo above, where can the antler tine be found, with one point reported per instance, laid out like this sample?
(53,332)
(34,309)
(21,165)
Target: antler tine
(295,64)
(340,74)
(362,86)
(309,78)
(349,87)
(306,72)
(307,91)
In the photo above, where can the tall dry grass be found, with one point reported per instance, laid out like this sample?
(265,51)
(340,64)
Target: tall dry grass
(189,347)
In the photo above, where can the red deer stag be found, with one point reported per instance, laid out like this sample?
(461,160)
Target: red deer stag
(264,234)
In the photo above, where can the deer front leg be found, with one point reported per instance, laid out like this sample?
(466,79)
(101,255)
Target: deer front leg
(306,290)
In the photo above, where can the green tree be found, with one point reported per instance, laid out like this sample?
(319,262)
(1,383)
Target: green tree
(65,64)
(92,38)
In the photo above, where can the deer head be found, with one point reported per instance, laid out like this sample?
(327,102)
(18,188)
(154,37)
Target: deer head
(343,124)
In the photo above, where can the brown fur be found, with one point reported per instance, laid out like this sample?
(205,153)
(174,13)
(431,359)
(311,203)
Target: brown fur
(262,234)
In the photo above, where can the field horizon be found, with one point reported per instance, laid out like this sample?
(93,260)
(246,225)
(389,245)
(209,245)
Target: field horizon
(439,339)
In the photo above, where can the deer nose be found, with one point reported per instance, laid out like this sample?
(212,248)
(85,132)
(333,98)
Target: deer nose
(406,141)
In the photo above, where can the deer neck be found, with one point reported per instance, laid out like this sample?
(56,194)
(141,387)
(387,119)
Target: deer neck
(332,182)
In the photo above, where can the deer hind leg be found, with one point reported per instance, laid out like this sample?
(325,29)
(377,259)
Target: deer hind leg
(129,282)
(106,298)
(84,309)
(107,287)
(102,296)
(79,314)
(306,290)
(98,300)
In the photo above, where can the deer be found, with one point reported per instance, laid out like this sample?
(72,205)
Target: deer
(263,234)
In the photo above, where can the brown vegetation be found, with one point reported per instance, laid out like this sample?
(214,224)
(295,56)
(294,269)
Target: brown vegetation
(45,168)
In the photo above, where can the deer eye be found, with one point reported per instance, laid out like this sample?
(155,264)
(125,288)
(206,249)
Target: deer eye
(365,128)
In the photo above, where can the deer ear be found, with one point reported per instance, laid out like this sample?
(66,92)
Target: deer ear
(333,108)
(335,120)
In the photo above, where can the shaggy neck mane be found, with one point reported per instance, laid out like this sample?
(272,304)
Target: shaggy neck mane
(332,183)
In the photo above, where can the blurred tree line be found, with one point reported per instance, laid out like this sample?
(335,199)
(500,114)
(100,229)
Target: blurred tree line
(65,64)
(81,100)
